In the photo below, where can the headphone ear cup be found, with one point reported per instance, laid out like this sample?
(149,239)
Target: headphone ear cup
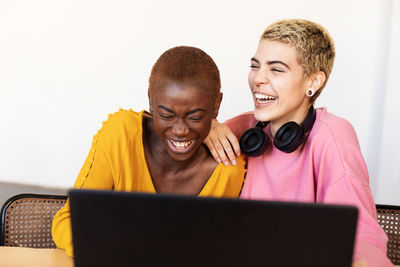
(253,142)
(289,137)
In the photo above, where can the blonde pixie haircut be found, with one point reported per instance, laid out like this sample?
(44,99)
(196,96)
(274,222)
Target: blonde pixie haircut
(314,45)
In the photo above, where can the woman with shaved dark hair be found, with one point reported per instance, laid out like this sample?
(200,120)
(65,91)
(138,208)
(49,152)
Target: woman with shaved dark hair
(160,150)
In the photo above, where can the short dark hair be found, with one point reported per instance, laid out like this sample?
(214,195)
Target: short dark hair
(186,65)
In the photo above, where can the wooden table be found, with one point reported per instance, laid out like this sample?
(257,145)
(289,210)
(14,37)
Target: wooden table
(34,257)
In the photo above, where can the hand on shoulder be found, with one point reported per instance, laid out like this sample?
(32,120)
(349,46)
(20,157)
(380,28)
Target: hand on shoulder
(222,143)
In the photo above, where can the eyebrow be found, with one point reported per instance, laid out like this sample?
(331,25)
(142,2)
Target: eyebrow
(253,59)
(188,113)
(272,62)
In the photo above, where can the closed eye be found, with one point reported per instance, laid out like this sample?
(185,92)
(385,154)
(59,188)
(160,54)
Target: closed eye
(195,118)
(276,70)
(166,117)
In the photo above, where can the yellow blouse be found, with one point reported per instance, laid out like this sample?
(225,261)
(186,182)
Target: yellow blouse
(116,161)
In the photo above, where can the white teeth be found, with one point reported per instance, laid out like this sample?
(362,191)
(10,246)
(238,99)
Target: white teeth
(181,145)
(261,98)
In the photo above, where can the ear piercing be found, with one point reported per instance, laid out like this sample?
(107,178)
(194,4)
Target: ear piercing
(310,92)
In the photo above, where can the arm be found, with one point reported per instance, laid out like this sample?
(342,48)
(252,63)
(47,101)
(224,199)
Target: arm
(222,141)
(342,178)
(359,264)
(96,173)
(370,242)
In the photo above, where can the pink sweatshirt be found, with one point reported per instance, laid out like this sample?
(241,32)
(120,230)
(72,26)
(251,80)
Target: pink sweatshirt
(328,168)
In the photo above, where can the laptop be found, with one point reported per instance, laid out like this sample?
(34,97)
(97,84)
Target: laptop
(112,228)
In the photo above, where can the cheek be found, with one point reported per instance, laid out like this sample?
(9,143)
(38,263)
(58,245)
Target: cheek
(283,86)
(250,79)
(203,129)
(160,127)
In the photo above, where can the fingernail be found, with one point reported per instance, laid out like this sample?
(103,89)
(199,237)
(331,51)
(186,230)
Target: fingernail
(219,160)
(233,162)
(226,163)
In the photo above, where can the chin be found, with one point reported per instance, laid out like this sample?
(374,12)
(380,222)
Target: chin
(261,115)
(180,157)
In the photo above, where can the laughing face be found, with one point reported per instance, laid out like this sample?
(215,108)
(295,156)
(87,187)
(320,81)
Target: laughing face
(278,85)
(182,118)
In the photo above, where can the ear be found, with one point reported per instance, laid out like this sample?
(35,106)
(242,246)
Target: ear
(217,105)
(150,102)
(317,79)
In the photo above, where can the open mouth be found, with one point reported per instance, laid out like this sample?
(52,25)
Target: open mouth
(181,146)
(262,98)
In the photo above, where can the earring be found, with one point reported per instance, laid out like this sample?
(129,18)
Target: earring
(310,92)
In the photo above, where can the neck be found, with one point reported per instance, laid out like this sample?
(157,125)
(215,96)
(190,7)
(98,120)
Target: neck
(297,115)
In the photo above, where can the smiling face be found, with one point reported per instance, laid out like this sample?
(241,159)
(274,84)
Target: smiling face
(182,116)
(278,85)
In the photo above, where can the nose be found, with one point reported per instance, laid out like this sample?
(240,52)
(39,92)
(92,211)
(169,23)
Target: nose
(260,77)
(180,128)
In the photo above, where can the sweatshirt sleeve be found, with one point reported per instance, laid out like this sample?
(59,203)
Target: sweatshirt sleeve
(96,173)
(342,178)
(371,240)
(241,123)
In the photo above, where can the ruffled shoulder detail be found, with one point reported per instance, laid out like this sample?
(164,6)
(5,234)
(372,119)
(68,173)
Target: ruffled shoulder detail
(113,132)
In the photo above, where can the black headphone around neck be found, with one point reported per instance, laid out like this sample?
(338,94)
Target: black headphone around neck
(287,139)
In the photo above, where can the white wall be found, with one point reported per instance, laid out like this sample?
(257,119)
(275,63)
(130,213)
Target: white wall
(389,164)
(64,65)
